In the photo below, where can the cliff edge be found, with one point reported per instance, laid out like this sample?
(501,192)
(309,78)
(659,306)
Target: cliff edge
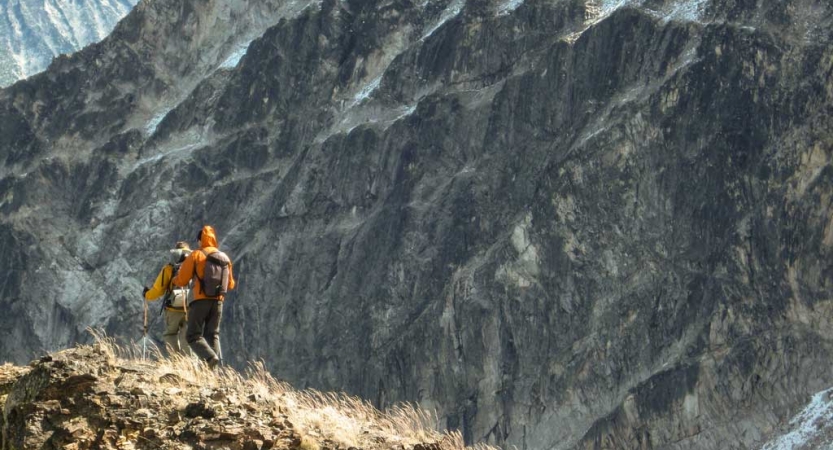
(100,396)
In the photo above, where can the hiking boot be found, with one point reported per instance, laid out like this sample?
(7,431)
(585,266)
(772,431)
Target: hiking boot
(213,363)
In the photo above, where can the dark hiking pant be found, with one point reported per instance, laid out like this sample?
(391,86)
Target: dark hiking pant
(204,328)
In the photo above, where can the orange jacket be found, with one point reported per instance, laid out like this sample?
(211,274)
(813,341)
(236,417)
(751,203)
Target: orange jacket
(194,264)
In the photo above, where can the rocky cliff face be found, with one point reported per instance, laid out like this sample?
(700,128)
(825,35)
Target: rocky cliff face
(561,224)
(32,32)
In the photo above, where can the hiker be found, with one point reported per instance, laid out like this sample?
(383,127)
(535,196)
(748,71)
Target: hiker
(212,270)
(174,301)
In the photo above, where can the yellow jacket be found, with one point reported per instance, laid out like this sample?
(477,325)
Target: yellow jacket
(194,264)
(160,286)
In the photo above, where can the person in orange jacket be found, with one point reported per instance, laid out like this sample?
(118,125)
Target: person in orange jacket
(205,312)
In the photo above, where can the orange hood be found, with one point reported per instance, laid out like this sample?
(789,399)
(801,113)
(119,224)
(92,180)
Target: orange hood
(207,237)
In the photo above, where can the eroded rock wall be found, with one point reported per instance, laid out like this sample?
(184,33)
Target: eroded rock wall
(561,224)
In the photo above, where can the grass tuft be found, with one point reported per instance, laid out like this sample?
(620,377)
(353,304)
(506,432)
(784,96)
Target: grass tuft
(317,416)
(308,443)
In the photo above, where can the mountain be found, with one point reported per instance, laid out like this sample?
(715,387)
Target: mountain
(560,224)
(32,32)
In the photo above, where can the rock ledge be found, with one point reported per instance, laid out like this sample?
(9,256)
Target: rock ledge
(89,397)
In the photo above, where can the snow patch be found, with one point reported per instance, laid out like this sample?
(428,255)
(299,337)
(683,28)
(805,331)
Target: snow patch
(108,208)
(367,116)
(154,122)
(20,62)
(358,107)
(598,11)
(682,10)
(289,9)
(689,10)
(366,91)
(806,424)
(377,64)
(234,58)
(453,10)
(184,149)
(507,7)
(102,29)
(608,6)
(686,11)
(591,134)
(405,112)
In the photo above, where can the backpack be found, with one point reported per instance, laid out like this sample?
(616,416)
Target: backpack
(175,296)
(215,276)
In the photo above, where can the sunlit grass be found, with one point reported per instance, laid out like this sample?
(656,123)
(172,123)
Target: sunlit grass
(317,416)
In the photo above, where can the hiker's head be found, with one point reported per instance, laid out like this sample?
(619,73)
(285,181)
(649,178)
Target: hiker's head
(180,252)
(206,237)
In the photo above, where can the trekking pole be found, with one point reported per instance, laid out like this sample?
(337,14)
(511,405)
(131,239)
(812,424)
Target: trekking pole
(145,330)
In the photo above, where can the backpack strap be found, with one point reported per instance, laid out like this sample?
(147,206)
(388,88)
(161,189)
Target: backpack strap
(196,274)
(168,291)
(167,284)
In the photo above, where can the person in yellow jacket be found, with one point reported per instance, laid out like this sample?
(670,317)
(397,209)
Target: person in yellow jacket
(205,312)
(175,298)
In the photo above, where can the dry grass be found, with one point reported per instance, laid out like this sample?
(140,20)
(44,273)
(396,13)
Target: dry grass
(318,416)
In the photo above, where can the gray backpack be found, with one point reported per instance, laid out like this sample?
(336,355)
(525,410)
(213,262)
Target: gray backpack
(174,295)
(215,277)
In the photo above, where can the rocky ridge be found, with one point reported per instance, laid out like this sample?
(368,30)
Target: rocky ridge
(33,32)
(88,398)
(558,223)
